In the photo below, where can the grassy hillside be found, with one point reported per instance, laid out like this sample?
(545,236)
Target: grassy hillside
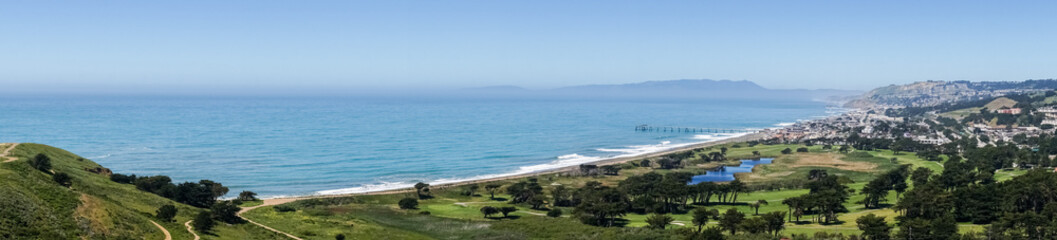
(93,207)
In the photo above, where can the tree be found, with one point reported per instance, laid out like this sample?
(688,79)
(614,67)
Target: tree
(757,205)
(419,187)
(787,151)
(166,213)
(801,150)
(659,221)
(489,211)
(599,205)
(611,170)
(711,233)
(226,211)
(843,149)
(562,196)
(523,191)
(537,201)
(204,222)
(554,213)
(408,203)
(873,227)
(920,176)
(775,221)
(491,188)
(216,189)
(41,162)
(507,210)
(756,153)
(701,216)
(62,179)
(753,225)
(731,220)
(247,196)
(644,163)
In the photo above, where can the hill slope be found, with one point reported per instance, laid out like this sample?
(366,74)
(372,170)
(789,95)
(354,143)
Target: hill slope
(93,207)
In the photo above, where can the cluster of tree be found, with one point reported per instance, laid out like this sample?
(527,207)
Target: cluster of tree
(652,192)
(423,191)
(201,194)
(223,211)
(529,192)
(825,198)
(876,191)
(488,211)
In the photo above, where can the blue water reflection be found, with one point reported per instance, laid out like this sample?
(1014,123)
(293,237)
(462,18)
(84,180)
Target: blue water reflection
(726,173)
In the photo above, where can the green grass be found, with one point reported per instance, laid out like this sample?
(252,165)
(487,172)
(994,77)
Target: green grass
(369,213)
(37,206)
(1006,174)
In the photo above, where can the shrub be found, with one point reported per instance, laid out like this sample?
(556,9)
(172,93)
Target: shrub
(339,237)
(425,213)
(408,203)
(554,213)
(787,151)
(122,178)
(204,222)
(41,162)
(166,213)
(801,150)
(63,179)
(247,196)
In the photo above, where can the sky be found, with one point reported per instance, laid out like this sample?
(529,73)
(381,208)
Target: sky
(114,46)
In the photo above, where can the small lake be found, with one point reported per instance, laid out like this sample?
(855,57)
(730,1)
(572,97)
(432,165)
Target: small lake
(726,173)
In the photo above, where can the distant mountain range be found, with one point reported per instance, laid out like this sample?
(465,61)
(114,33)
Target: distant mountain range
(672,89)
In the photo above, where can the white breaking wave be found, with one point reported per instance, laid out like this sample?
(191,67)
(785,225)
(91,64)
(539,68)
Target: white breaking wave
(368,188)
(562,161)
(785,124)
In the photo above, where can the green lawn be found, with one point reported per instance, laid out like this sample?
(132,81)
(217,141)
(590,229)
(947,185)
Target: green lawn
(367,215)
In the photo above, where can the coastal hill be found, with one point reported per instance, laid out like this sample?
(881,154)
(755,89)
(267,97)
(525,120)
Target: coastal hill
(37,205)
(669,89)
(931,93)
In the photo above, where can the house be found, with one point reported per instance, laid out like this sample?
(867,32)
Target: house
(1013,111)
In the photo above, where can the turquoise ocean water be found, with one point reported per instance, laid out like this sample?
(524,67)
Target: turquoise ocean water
(306,145)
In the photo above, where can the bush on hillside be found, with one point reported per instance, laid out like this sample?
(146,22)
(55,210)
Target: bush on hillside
(408,203)
(41,162)
(166,213)
(204,222)
(62,179)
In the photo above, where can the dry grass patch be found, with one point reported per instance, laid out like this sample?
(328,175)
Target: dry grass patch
(831,160)
(93,217)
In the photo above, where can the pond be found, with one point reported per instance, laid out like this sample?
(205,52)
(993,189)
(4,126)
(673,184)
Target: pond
(726,173)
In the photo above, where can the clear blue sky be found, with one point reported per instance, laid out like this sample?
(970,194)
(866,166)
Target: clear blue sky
(94,45)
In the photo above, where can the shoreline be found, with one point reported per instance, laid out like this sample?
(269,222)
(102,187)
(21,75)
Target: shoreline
(603,162)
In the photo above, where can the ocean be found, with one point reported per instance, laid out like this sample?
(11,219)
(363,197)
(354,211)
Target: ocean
(330,145)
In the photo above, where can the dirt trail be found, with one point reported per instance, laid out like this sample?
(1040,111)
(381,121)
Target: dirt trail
(7,152)
(191,229)
(269,202)
(167,235)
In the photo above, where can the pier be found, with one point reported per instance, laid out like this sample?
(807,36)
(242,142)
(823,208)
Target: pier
(648,128)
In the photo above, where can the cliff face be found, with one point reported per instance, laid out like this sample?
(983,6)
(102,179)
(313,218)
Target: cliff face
(931,93)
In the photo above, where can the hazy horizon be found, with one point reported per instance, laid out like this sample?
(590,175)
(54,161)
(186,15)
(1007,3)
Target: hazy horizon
(266,47)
